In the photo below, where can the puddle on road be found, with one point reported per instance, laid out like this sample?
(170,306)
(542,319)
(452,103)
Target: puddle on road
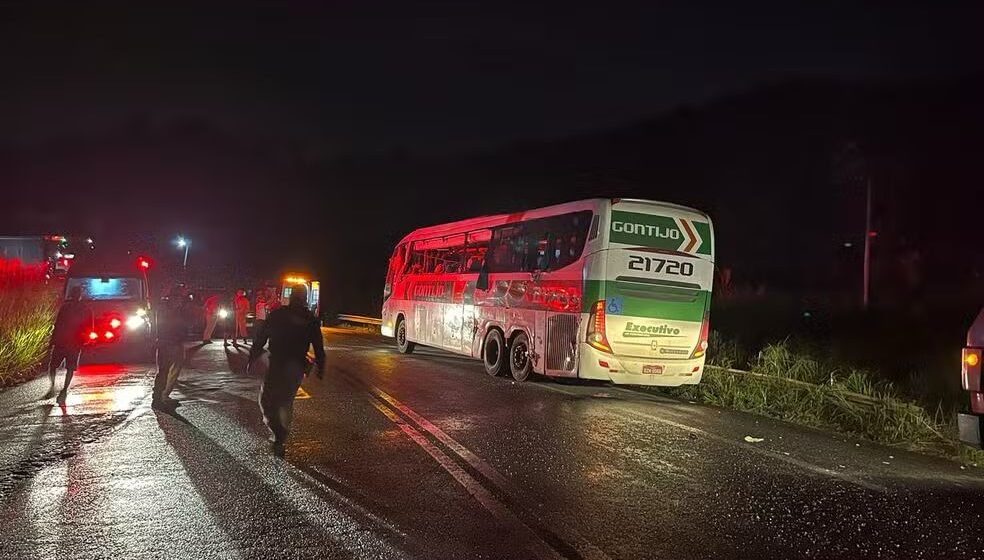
(100,400)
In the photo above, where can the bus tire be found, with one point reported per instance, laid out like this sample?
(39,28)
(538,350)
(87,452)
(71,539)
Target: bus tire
(402,343)
(520,364)
(494,353)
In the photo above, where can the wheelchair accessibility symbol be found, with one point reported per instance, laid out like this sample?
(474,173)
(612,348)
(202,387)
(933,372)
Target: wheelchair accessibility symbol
(613,305)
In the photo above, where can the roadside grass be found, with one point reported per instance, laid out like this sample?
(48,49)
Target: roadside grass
(27,313)
(783,383)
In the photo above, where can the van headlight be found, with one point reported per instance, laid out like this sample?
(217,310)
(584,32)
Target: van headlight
(134,322)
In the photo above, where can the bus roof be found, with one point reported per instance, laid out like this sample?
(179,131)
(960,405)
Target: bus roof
(462,226)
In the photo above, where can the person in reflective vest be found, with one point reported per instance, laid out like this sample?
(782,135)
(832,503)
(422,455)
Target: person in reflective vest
(240,306)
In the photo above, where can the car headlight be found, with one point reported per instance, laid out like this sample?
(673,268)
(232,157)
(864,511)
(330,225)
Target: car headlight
(134,322)
(141,312)
(223,313)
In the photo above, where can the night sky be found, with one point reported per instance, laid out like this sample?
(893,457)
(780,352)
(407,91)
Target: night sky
(253,128)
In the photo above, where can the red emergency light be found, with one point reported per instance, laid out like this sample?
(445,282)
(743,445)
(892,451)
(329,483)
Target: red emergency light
(143,263)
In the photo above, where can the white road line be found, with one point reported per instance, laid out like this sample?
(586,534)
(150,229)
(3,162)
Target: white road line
(584,548)
(498,510)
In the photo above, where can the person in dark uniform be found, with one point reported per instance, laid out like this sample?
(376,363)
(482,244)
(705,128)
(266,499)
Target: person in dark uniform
(174,316)
(291,330)
(73,323)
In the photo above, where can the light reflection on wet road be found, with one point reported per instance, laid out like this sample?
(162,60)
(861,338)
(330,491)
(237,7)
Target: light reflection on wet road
(424,456)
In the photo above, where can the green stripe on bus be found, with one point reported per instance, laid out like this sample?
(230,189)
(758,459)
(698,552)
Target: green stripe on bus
(704,231)
(693,307)
(660,232)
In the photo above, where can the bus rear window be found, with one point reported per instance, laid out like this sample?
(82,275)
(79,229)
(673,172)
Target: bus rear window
(106,288)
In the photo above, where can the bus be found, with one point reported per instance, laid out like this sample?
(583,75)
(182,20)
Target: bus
(609,289)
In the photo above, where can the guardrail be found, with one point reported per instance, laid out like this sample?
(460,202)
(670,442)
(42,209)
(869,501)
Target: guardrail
(360,319)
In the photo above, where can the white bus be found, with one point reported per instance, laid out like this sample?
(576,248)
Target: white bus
(611,289)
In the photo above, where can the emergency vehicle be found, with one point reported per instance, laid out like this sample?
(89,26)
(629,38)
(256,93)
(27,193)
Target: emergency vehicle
(290,281)
(119,297)
(55,253)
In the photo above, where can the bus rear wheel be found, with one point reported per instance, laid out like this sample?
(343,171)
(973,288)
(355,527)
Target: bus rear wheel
(402,343)
(494,353)
(520,364)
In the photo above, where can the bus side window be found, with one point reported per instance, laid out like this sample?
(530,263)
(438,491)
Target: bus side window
(476,249)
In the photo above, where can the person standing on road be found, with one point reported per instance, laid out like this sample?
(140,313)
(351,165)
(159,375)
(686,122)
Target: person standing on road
(240,307)
(172,326)
(262,307)
(273,302)
(73,323)
(291,330)
(211,309)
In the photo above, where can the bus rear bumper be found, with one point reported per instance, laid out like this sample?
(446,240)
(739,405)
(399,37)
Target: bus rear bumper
(629,371)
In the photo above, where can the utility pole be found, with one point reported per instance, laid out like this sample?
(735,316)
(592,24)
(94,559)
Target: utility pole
(868,235)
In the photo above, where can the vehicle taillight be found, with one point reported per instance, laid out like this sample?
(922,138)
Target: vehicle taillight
(970,370)
(597,336)
(115,323)
(705,329)
(93,335)
(109,335)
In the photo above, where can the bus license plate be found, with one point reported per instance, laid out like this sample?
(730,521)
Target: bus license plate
(652,369)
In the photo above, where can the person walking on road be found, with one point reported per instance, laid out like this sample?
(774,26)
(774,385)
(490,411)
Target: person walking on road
(172,325)
(211,309)
(73,323)
(240,307)
(291,330)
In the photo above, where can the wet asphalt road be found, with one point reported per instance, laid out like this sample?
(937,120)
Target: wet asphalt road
(424,456)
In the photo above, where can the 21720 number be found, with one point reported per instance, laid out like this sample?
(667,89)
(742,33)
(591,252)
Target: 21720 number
(655,264)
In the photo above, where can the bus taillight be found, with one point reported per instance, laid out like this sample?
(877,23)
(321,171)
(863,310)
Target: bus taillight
(705,328)
(597,336)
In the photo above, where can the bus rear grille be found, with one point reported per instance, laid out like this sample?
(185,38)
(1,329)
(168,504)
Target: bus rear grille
(562,342)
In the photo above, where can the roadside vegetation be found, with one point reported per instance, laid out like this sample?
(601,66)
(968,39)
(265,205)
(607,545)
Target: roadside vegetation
(783,382)
(27,312)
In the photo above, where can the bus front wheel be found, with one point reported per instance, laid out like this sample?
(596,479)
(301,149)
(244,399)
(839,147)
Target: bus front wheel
(494,353)
(520,364)
(403,344)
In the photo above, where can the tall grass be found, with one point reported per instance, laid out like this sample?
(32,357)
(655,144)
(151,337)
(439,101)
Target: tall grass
(788,385)
(27,312)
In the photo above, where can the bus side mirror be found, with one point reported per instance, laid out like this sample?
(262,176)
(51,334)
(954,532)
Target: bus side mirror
(483,277)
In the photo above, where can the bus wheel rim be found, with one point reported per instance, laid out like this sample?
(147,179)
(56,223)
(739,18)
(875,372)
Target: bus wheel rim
(520,356)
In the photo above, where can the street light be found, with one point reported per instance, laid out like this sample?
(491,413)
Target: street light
(185,244)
